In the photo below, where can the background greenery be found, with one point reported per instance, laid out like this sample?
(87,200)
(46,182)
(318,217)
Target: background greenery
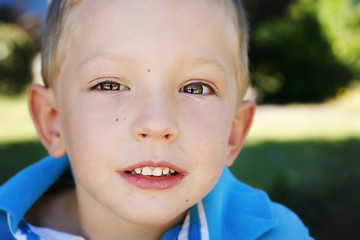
(303,50)
(305,56)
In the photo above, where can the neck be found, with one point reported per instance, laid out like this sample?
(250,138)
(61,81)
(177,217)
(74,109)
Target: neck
(56,211)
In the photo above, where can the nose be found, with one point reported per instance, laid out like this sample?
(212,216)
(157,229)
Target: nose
(155,120)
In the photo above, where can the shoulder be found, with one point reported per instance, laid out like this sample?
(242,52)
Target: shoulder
(20,192)
(288,225)
(252,214)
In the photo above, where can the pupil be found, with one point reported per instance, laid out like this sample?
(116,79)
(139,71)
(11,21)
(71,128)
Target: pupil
(194,88)
(109,86)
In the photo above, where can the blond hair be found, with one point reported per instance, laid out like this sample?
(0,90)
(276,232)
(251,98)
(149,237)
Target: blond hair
(59,18)
(53,42)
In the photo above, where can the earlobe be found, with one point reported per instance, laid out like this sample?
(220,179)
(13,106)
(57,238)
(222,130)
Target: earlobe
(44,113)
(240,128)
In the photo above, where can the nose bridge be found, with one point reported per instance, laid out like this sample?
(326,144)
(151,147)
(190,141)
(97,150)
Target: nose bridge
(156,116)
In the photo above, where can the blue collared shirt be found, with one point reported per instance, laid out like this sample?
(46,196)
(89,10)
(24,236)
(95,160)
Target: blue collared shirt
(232,210)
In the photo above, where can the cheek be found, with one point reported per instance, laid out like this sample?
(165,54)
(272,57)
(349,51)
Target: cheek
(207,137)
(209,129)
(85,128)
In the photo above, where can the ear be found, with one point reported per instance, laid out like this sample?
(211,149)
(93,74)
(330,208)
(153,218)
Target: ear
(240,128)
(44,113)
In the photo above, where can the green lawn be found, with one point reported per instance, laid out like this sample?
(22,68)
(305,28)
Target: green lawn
(15,121)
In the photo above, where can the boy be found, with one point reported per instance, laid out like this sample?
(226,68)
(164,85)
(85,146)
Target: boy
(144,99)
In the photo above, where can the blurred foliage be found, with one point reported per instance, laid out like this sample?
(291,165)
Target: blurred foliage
(340,22)
(17,50)
(293,56)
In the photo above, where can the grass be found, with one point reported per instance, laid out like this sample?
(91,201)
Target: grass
(15,121)
(338,119)
(16,156)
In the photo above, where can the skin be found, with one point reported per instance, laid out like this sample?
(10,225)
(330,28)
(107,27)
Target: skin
(153,57)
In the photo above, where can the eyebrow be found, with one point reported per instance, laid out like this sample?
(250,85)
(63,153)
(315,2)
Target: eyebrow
(213,61)
(184,60)
(96,54)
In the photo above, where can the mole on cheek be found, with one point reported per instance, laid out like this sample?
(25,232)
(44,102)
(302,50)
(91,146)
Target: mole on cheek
(149,70)
(116,119)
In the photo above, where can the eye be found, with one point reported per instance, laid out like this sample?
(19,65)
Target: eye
(110,86)
(198,88)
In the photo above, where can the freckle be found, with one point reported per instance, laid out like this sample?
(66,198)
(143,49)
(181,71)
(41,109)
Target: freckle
(187,200)
(149,70)
(124,118)
(116,119)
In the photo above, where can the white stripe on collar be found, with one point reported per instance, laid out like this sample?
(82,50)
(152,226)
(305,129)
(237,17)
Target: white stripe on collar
(204,230)
(9,224)
(184,232)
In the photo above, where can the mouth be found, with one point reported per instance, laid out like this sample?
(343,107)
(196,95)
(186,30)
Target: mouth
(153,171)
(148,175)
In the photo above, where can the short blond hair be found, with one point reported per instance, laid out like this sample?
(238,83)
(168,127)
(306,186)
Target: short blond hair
(59,18)
(53,42)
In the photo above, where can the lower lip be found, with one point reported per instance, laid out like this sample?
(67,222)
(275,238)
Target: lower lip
(148,182)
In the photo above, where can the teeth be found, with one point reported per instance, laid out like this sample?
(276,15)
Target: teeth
(165,171)
(146,171)
(156,172)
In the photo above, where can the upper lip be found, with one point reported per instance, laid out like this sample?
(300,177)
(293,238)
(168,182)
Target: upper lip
(154,164)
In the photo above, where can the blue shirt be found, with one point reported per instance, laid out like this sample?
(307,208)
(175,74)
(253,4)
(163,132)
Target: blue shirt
(232,210)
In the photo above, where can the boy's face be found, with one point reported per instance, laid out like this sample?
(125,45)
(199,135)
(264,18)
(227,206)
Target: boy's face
(148,84)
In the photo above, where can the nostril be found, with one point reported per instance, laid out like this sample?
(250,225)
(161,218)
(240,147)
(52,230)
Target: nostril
(167,136)
(143,135)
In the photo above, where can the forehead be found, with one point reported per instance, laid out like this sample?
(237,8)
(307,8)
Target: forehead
(168,20)
(200,29)
(152,17)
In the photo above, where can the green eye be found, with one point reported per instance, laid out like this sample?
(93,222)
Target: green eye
(197,88)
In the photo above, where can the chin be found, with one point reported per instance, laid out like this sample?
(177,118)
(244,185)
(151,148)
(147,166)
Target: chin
(157,218)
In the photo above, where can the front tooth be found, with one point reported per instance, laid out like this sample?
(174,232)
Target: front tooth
(166,171)
(146,171)
(138,170)
(157,172)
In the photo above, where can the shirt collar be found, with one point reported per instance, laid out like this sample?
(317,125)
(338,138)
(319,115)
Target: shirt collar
(236,211)
(42,175)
